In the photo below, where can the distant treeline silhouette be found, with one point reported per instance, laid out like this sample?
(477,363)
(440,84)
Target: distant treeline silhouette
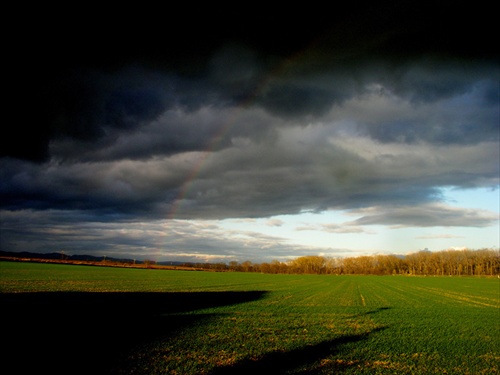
(483,262)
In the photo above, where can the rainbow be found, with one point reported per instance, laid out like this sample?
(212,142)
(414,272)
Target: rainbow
(280,70)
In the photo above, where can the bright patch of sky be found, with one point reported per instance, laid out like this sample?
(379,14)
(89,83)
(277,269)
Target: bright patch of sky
(486,199)
(331,233)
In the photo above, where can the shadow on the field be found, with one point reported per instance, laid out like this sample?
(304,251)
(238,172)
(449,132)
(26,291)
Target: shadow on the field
(374,311)
(306,358)
(87,333)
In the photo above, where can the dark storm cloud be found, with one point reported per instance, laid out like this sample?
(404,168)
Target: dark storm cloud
(311,167)
(307,168)
(110,191)
(71,86)
(467,116)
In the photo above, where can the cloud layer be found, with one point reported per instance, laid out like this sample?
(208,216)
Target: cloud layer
(254,115)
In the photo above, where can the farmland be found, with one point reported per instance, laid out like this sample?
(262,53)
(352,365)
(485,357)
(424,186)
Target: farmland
(82,319)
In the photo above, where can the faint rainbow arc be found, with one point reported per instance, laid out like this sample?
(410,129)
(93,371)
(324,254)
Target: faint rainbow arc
(226,127)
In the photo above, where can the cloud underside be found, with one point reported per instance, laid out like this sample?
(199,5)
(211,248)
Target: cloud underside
(320,166)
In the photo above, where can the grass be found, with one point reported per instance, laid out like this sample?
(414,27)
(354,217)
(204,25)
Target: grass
(185,322)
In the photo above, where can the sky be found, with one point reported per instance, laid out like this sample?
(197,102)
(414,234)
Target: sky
(215,135)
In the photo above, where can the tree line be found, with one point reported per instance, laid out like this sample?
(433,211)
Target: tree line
(482,262)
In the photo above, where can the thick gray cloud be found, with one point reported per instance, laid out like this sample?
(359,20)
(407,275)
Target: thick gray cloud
(87,85)
(324,164)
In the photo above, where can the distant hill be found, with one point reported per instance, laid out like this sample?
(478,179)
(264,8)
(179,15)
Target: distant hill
(60,256)
(78,257)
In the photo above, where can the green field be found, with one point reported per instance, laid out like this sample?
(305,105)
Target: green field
(82,319)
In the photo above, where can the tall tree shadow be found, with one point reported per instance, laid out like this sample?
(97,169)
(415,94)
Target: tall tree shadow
(88,333)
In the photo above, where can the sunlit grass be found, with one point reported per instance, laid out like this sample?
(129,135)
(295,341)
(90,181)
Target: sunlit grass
(302,324)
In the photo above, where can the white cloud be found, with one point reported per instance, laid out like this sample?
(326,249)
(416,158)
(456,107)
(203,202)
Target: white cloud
(438,236)
(274,222)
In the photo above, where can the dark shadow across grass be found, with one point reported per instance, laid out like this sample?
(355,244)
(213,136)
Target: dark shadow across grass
(305,357)
(89,333)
